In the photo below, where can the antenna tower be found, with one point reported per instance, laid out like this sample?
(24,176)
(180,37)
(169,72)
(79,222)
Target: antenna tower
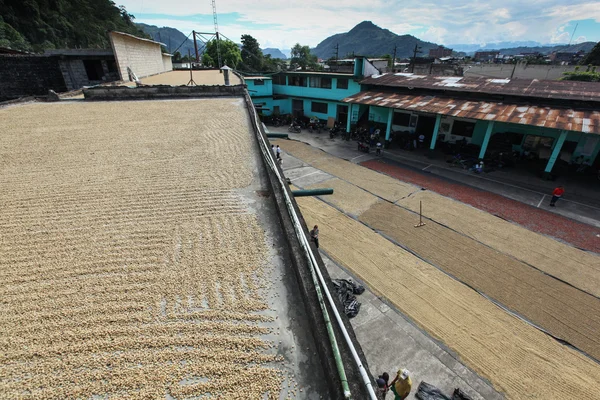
(214,7)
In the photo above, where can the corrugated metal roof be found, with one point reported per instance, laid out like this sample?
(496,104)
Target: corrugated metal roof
(547,89)
(547,117)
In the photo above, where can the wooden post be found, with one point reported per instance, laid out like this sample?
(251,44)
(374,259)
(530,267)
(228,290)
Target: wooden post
(421,223)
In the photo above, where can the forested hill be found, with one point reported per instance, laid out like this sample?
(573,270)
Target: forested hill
(36,25)
(171,37)
(367,39)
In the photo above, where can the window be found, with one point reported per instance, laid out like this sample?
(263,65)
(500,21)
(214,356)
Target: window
(402,119)
(258,82)
(297,81)
(93,69)
(318,107)
(320,82)
(342,83)
(279,79)
(463,128)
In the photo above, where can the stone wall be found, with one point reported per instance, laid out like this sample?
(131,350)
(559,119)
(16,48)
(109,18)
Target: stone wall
(76,76)
(143,56)
(29,76)
(160,92)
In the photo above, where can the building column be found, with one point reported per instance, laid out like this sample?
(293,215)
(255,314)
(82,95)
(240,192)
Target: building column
(388,129)
(436,129)
(556,151)
(349,123)
(486,139)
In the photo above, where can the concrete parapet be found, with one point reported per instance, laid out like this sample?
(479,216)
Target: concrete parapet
(160,92)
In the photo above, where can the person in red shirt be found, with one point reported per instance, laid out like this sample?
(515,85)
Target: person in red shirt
(556,194)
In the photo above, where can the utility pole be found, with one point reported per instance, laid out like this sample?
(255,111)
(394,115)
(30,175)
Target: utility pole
(394,59)
(414,58)
(196,46)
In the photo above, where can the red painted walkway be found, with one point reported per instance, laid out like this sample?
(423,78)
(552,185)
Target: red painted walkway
(538,220)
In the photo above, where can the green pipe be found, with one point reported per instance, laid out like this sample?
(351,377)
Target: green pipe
(312,192)
(334,346)
(277,135)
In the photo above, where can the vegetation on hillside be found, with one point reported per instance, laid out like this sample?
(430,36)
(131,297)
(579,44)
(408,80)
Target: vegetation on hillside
(589,75)
(593,57)
(36,25)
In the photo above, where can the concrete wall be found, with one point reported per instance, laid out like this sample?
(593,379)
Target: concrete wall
(29,76)
(260,90)
(522,71)
(143,56)
(167,62)
(438,69)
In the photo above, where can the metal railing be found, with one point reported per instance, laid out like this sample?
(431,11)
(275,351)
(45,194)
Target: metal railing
(316,274)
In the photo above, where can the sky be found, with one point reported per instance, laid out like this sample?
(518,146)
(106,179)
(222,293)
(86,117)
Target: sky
(283,23)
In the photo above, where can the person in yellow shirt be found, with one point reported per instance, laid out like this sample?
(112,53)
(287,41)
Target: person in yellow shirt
(401,385)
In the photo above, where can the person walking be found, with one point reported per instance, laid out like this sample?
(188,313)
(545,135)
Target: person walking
(382,386)
(401,385)
(556,194)
(273,151)
(378,149)
(314,235)
(278,152)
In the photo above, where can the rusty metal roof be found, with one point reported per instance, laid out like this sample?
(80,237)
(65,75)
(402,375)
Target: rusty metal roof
(547,117)
(546,89)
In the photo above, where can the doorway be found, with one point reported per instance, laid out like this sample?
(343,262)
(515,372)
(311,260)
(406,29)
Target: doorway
(298,108)
(342,114)
(425,126)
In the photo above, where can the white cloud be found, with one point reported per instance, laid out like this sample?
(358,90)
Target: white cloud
(580,39)
(560,38)
(445,22)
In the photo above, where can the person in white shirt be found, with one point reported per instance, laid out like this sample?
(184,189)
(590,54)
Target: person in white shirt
(378,151)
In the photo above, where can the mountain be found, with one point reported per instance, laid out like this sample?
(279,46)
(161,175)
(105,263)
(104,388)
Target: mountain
(37,25)
(172,38)
(574,48)
(471,48)
(367,39)
(274,53)
(512,48)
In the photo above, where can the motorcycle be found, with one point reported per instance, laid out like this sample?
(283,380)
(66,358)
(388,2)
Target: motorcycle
(333,132)
(314,125)
(294,127)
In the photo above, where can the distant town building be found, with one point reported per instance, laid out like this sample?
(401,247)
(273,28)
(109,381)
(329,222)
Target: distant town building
(486,56)
(566,58)
(440,52)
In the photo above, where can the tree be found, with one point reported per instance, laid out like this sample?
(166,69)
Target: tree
(252,55)
(593,56)
(273,64)
(230,53)
(301,56)
(207,60)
